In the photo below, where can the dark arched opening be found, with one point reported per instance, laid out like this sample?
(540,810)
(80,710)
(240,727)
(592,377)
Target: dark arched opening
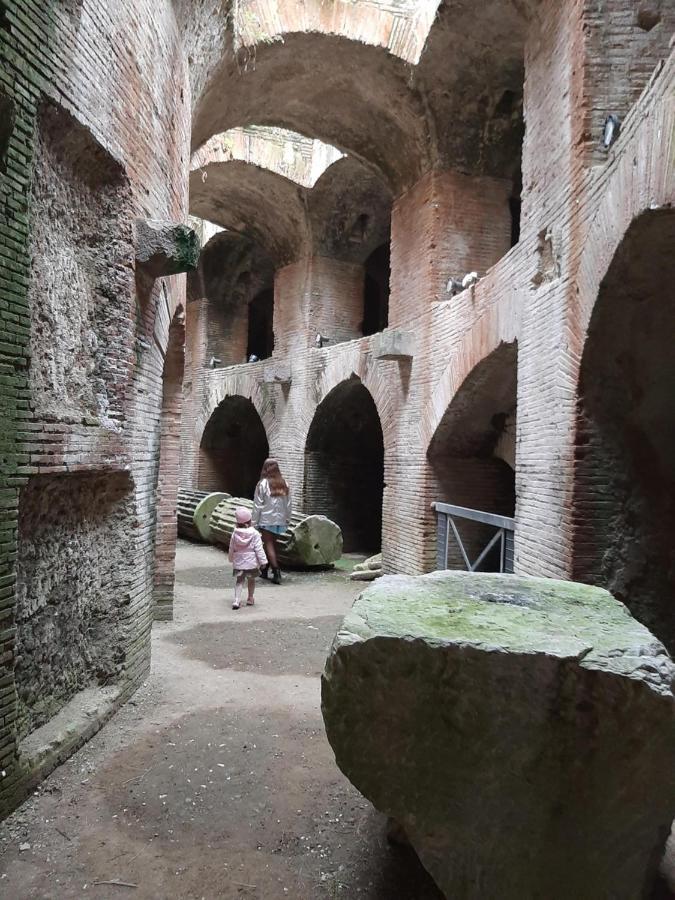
(344,465)
(472,454)
(260,325)
(376,291)
(624,496)
(233,448)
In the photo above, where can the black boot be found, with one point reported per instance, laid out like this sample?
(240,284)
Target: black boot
(264,572)
(276,576)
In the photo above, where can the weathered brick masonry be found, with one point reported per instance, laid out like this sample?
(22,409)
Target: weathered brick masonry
(96,138)
(524,390)
(494,375)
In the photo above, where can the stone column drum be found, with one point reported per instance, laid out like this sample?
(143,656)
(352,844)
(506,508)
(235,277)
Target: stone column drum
(521,730)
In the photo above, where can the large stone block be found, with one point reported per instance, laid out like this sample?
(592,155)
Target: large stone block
(521,730)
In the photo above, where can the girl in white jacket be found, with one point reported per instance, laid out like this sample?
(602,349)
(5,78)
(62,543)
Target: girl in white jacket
(272,508)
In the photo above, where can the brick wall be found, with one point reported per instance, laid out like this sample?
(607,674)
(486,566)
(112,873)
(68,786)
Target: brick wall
(317,296)
(99,131)
(447,225)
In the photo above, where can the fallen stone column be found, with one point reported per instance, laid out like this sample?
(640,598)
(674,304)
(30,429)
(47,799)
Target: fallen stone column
(520,730)
(194,510)
(311,541)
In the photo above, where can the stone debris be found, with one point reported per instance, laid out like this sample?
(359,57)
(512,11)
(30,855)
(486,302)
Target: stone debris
(521,732)
(368,570)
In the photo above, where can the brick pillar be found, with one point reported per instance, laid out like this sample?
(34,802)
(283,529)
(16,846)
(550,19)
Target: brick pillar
(448,224)
(169,470)
(196,346)
(317,295)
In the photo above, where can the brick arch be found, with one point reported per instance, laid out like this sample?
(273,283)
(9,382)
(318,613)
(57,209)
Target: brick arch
(169,466)
(349,363)
(471,456)
(232,448)
(492,331)
(344,464)
(642,178)
(623,510)
(246,384)
(373,106)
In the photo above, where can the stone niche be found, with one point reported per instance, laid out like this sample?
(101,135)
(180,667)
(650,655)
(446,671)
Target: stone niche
(74,574)
(82,290)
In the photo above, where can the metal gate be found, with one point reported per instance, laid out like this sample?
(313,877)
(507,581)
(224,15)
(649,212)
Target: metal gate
(503,537)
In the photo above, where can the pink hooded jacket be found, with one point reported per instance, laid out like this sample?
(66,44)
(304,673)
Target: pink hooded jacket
(246,549)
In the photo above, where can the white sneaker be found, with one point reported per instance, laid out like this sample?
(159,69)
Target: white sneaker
(235,605)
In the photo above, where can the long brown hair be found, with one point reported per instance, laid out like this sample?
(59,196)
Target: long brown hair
(276,481)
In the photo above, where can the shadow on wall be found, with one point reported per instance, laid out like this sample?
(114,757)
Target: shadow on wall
(624,497)
(233,449)
(344,465)
(472,454)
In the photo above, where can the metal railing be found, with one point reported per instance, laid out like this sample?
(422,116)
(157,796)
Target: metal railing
(503,538)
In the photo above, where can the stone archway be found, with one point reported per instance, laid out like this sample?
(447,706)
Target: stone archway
(233,448)
(624,487)
(344,465)
(472,453)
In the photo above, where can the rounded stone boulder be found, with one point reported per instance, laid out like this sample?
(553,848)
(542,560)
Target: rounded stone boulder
(520,730)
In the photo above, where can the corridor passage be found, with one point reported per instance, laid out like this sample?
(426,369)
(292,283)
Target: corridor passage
(216,780)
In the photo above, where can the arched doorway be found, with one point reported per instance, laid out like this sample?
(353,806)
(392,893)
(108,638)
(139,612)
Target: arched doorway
(344,465)
(233,448)
(472,454)
(624,494)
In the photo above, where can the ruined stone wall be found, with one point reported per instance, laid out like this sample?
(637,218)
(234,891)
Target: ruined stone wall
(81,290)
(74,574)
(100,134)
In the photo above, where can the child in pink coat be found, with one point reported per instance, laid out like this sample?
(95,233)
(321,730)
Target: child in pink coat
(246,554)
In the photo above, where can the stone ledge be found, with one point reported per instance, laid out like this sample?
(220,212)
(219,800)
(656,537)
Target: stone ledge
(277,373)
(165,248)
(394,344)
(52,744)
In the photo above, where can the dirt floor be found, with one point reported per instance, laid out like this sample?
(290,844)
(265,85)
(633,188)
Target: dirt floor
(216,779)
